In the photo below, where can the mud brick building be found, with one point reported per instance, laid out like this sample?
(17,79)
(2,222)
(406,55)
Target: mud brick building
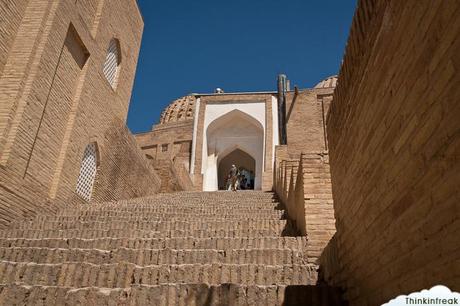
(204,134)
(354,183)
(66,75)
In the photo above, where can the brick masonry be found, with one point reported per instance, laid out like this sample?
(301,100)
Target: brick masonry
(184,248)
(392,135)
(168,147)
(302,176)
(171,139)
(393,131)
(55,100)
(305,114)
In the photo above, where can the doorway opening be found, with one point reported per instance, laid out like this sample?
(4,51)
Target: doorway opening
(246,166)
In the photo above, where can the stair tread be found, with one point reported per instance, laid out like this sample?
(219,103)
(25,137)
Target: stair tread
(167,247)
(84,274)
(154,256)
(108,243)
(172,294)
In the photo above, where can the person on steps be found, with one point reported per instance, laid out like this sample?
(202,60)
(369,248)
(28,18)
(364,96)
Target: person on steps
(233,173)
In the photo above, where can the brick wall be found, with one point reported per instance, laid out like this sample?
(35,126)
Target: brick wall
(169,147)
(302,175)
(55,99)
(303,185)
(305,114)
(176,137)
(394,141)
(282,177)
(12,12)
(313,198)
(124,171)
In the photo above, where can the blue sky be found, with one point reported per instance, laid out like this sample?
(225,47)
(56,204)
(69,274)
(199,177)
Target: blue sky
(238,45)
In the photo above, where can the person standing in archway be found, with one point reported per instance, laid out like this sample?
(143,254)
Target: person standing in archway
(233,173)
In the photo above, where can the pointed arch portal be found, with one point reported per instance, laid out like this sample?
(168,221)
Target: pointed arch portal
(233,138)
(245,162)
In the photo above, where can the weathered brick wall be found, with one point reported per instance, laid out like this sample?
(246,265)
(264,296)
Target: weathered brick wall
(303,185)
(305,114)
(124,171)
(282,182)
(88,10)
(12,12)
(169,147)
(176,137)
(313,202)
(55,99)
(279,179)
(181,172)
(394,141)
(168,178)
(302,176)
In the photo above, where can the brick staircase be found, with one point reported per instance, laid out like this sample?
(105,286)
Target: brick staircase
(186,248)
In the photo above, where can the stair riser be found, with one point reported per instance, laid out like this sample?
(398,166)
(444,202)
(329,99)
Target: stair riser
(276,225)
(154,249)
(295,244)
(169,295)
(125,275)
(221,196)
(169,212)
(125,233)
(143,218)
(154,257)
(174,197)
(168,208)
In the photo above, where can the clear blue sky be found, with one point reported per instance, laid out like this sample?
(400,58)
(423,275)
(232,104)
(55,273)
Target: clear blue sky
(194,46)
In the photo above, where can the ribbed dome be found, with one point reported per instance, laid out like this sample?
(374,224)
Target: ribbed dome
(179,110)
(329,82)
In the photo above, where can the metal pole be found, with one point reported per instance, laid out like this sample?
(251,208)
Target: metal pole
(282,88)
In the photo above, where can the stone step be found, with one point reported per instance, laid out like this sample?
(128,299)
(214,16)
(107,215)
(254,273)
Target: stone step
(130,233)
(224,211)
(78,274)
(230,197)
(155,256)
(224,196)
(172,294)
(143,218)
(182,205)
(274,225)
(215,194)
(292,243)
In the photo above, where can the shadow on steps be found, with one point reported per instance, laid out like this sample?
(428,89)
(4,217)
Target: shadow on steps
(290,229)
(299,295)
(319,295)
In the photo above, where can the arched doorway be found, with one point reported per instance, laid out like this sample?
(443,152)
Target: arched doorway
(244,162)
(234,133)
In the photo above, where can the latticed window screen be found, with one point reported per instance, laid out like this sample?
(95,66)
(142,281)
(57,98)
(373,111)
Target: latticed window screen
(112,63)
(87,172)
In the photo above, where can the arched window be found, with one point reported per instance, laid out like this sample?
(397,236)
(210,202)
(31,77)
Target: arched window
(87,172)
(112,62)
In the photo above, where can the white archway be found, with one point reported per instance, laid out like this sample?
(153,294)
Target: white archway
(233,130)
